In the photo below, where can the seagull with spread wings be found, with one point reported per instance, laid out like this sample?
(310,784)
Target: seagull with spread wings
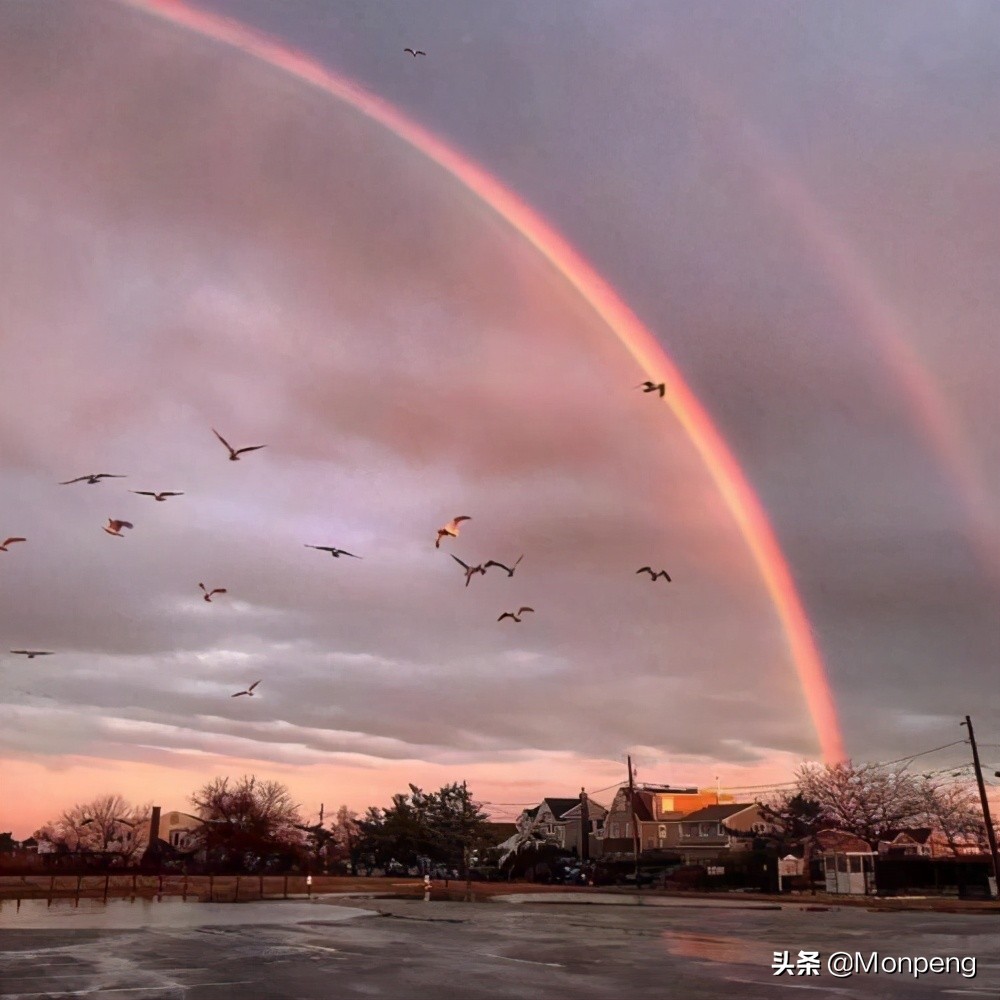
(660,387)
(470,571)
(114,527)
(509,569)
(158,497)
(93,479)
(10,541)
(516,615)
(208,593)
(336,553)
(654,576)
(234,453)
(32,653)
(248,691)
(450,530)
(415,52)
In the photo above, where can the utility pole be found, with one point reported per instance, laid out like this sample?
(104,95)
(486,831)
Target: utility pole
(635,825)
(990,832)
(584,826)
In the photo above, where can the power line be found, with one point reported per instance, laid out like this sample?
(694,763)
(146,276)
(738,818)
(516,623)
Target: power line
(923,753)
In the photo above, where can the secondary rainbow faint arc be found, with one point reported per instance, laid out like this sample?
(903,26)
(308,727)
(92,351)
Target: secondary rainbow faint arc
(726,473)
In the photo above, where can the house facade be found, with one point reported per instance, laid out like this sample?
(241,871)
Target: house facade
(655,808)
(716,829)
(558,820)
(573,830)
(918,843)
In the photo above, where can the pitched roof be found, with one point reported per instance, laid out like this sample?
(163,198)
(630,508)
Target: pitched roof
(716,814)
(643,807)
(841,840)
(597,811)
(560,807)
(919,835)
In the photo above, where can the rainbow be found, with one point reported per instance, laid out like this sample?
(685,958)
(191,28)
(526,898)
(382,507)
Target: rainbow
(726,473)
(875,312)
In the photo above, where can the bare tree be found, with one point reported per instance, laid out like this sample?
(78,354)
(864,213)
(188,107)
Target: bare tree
(953,810)
(249,821)
(346,833)
(867,800)
(108,824)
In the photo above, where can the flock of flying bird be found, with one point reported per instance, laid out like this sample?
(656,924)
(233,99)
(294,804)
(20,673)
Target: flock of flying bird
(450,530)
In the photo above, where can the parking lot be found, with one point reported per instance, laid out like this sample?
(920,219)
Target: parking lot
(408,947)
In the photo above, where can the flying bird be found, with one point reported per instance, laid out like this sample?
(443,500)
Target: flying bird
(10,541)
(470,571)
(509,569)
(94,479)
(159,497)
(516,615)
(32,653)
(234,453)
(114,527)
(336,553)
(208,593)
(654,576)
(415,52)
(248,691)
(450,530)
(660,387)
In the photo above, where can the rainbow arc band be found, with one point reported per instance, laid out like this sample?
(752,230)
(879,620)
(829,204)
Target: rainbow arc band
(739,497)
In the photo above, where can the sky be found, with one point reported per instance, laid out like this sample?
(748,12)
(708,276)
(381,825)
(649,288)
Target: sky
(799,203)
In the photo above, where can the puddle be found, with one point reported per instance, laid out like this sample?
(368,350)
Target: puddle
(434,896)
(130,914)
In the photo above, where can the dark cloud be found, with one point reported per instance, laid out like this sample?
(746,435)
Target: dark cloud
(194,240)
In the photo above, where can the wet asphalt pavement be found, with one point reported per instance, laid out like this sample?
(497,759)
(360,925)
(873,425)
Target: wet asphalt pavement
(409,948)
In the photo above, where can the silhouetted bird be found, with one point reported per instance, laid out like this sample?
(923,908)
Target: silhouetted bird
(509,569)
(94,479)
(515,615)
(470,571)
(660,387)
(652,575)
(208,593)
(10,541)
(234,453)
(159,497)
(336,553)
(114,527)
(32,653)
(415,52)
(248,691)
(450,530)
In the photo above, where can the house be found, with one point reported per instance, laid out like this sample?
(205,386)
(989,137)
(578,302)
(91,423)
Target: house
(907,843)
(655,808)
(178,829)
(707,832)
(572,830)
(558,820)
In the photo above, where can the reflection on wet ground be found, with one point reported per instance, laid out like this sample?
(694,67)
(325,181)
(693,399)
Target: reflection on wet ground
(713,948)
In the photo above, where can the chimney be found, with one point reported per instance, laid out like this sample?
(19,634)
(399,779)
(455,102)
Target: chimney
(152,853)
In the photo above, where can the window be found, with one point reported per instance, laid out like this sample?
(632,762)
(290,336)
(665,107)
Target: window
(708,830)
(661,831)
(614,830)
